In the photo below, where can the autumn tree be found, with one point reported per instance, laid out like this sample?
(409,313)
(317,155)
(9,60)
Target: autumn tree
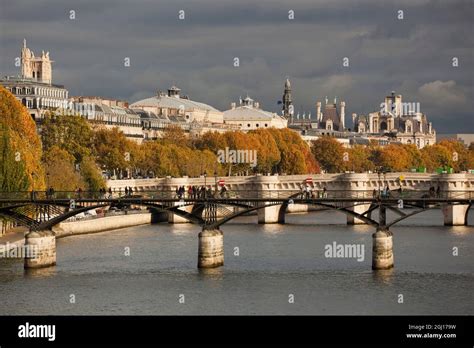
(71,133)
(20,166)
(329,153)
(358,159)
(61,171)
(112,150)
(436,156)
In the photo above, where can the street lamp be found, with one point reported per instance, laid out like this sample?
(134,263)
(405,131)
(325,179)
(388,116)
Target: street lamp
(215,179)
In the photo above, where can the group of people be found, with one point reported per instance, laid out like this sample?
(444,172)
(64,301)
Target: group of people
(199,192)
(128,191)
(385,193)
(103,193)
(435,193)
(306,192)
(50,192)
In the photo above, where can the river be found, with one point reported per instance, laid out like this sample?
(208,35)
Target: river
(279,269)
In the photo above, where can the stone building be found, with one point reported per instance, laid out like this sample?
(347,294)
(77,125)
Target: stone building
(331,118)
(287,101)
(34,87)
(179,107)
(402,122)
(109,113)
(248,115)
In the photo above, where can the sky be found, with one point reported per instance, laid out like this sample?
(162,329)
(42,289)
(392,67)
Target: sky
(412,56)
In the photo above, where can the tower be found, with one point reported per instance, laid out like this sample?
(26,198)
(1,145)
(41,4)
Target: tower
(342,116)
(36,68)
(287,102)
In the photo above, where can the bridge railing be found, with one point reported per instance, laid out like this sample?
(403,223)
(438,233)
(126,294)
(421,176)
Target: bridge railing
(237,194)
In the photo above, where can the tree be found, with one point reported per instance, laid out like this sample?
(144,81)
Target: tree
(436,156)
(113,150)
(20,165)
(91,175)
(359,159)
(69,132)
(13,175)
(329,153)
(394,158)
(62,174)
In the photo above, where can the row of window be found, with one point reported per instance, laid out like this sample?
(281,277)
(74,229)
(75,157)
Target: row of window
(256,125)
(39,91)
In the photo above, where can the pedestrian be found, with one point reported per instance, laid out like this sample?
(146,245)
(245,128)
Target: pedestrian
(110,192)
(374,194)
(126,190)
(438,192)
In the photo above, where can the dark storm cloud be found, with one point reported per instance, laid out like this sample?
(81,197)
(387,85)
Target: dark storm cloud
(412,56)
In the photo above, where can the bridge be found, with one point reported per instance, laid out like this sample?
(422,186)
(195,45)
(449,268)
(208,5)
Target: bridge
(41,212)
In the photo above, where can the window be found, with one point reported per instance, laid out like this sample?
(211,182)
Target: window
(257,125)
(248,125)
(266,125)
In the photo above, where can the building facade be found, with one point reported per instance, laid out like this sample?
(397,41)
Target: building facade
(248,116)
(400,121)
(34,87)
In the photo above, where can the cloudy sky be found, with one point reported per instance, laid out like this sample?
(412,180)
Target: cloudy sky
(412,56)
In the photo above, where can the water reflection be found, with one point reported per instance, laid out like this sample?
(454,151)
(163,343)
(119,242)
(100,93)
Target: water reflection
(215,274)
(46,272)
(384,276)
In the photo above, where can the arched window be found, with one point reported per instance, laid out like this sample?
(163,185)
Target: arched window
(257,125)
(266,125)
(248,125)
(383,126)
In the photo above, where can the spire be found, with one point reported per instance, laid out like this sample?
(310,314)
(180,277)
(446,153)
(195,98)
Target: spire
(24,43)
(287,100)
(335,100)
(326,100)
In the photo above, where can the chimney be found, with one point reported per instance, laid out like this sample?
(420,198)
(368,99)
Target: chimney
(232,105)
(343,114)
(319,116)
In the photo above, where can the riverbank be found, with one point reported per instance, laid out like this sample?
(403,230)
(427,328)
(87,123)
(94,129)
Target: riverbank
(102,224)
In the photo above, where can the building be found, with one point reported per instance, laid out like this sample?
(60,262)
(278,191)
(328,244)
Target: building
(331,118)
(248,116)
(179,108)
(109,113)
(466,139)
(34,87)
(403,122)
(287,102)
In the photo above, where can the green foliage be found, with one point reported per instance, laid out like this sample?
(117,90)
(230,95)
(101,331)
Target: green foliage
(13,175)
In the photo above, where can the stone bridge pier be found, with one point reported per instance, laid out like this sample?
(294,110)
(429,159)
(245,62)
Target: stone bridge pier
(211,248)
(272,214)
(455,187)
(382,244)
(357,185)
(455,214)
(40,247)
